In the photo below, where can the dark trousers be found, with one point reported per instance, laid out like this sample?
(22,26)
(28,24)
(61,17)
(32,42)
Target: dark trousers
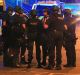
(44,40)
(45,53)
(23,50)
(10,46)
(10,55)
(5,49)
(32,38)
(16,55)
(30,51)
(56,41)
(23,45)
(14,46)
(70,53)
(5,58)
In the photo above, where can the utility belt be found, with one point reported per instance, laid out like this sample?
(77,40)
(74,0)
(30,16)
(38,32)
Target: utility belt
(55,31)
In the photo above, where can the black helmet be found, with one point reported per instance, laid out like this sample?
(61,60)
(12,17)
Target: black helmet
(46,10)
(9,9)
(67,12)
(17,9)
(33,12)
(21,11)
(55,8)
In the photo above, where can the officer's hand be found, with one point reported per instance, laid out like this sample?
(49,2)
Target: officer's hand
(65,26)
(24,26)
(4,24)
(45,26)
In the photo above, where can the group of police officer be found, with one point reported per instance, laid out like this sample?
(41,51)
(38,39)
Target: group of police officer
(52,32)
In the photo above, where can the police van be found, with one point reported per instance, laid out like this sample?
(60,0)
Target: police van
(39,6)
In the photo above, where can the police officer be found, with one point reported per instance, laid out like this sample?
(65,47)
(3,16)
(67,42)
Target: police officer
(56,28)
(44,35)
(34,27)
(16,34)
(70,38)
(24,38)
(6,23)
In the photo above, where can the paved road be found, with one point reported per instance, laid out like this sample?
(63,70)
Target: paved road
(35,71)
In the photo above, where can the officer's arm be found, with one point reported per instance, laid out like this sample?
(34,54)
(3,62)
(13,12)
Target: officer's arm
(4,24)
(4,21)
(24,26)
(65,26)
(47,23)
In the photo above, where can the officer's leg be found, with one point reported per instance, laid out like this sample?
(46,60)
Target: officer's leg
(45,53)
(44,48)
(5,47)
(58,54)
(38,53)
(51,53)
(73,55)
(5,58)
(30,52)
(16,48)
(16,56)
(51,50)
(9,53)
(68,55)
(23,49)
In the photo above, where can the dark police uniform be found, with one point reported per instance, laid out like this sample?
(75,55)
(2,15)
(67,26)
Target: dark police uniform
(70,40)
(24,42)
(34,26)
(16,32)
(44,35)
(6,22)
(44,40)
(4,36)
(56,28)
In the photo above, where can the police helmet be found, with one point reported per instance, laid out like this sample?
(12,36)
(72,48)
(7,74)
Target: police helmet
(33,12)
(55,8)
(67,12)
(46,10)
(17,9)
(9,9)
(21,11)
